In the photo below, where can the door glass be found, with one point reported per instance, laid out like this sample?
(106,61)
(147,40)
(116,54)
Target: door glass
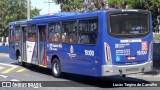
(41,45)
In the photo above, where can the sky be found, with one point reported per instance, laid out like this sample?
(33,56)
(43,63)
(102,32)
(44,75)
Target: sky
(41,4)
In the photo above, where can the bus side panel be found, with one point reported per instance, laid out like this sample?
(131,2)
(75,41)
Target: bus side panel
(78,61)
(56,49)
(78,58)
(12,53)
(100,49)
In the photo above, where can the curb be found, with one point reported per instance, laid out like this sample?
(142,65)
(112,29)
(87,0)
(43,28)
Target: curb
(4,54)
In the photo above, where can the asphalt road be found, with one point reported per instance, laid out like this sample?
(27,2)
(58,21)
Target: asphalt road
(11,71)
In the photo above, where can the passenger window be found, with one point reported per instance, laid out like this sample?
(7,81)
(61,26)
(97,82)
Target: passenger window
(32,33)
(17,33)
(54,32)
(88,30)
(11,35)
(69,32)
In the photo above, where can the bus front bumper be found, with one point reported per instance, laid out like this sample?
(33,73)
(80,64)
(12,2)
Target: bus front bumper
(109,70)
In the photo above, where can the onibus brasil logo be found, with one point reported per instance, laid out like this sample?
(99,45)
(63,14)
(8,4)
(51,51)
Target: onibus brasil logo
(72,54)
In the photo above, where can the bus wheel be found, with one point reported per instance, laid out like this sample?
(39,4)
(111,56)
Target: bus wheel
(20,62)
(56,68)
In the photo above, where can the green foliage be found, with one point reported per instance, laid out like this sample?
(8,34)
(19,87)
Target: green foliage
(34,12)
(13,10)
(80,5)
(156,36)
(117,3)
(69,5)
(137,4)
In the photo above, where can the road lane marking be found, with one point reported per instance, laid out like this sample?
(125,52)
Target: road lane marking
(4,76)
(1,67)
(21,70)
(7,64)
(10,69)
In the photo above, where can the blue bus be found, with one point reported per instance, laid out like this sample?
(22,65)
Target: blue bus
(101,43)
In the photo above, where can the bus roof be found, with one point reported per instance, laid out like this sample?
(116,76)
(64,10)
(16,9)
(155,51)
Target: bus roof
(72,15)
(11,23)
(22,22)
(63,14)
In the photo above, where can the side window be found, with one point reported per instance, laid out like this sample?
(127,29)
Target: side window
(24,29)
(54,32)
(17,33)
(69,32)
(32,33)
(88,30)
(11,35)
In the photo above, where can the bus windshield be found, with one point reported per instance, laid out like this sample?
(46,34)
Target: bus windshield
(129,24)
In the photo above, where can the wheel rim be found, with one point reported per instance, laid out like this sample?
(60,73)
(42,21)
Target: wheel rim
(56,68)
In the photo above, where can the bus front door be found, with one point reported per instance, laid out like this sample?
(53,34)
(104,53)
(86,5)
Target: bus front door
(42,58)
(23,43)
(12,53)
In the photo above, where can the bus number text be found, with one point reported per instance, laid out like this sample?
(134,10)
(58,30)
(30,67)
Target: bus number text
(89,52)
(141,52)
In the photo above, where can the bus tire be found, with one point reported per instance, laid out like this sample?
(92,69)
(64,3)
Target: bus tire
(19,59)
(56,68)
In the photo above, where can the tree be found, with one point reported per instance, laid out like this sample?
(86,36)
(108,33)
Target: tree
(69,5)
(34,12)
(13,10)
(81,5)
(117,4)
(138,4)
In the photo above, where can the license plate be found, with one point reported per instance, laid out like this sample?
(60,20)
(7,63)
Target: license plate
(132,69)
